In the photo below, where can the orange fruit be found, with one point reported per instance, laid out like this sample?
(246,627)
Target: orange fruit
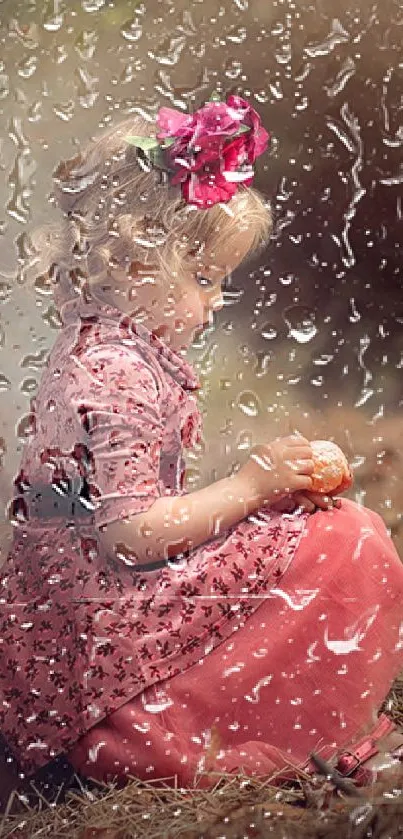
(332,472)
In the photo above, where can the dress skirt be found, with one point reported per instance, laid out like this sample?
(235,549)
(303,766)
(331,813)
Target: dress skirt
(307,672)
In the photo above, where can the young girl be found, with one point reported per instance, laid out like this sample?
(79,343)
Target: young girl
(146,631)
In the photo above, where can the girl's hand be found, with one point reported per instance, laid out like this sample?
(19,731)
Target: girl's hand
(280,468)
(308,502)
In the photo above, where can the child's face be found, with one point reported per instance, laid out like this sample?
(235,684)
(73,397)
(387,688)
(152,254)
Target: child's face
(179,313)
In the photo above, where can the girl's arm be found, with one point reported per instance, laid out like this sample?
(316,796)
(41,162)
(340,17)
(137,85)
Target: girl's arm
(174,524)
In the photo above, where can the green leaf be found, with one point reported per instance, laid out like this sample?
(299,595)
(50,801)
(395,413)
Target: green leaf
(160,160)
(243,129)
(143,143)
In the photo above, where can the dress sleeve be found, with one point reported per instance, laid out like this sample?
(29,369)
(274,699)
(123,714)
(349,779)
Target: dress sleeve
(121,415)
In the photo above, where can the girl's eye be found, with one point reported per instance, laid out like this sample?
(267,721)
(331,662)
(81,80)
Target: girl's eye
(204,281)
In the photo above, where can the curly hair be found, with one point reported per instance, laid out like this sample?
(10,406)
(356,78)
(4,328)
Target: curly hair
(118,210)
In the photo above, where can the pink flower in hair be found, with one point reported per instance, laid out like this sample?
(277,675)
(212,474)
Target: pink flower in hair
(211,152)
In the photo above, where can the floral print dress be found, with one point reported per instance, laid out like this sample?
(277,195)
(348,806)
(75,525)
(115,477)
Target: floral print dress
(82,633)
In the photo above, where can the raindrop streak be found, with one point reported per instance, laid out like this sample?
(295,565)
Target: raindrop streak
(93,751)
(301,598)
(347,70)
(354,143)
(337,35)
(353,635)
(355,315)
(254,695)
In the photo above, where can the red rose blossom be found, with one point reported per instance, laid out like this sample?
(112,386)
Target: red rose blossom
(214,149)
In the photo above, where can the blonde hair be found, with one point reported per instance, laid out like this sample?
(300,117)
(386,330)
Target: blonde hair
(119,210)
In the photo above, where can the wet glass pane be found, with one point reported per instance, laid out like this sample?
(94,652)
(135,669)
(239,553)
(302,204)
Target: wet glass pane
(307,338)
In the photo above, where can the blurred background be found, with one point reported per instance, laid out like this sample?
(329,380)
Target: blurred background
(311,338)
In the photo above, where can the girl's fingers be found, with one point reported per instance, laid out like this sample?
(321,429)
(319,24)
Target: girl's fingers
(303,452)
(319,502)
(326,502)
(304,502)
(301,466)
(301,482)
(298,440)
(285,505)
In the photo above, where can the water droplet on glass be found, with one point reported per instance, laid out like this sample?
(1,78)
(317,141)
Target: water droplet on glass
(355,316)
(301,324)
(262,363)
(4,83)
(244,441)
(193,477)
(26,68)
(35,360)
(254,695)
(132,30)
(237,35)
(248,403)
(28,386)
(35,111)
(52,317)
(156,707)
(353,635)
(53,20)
(5,383)
(322,360)
(268,331)
(87,89)
(225,384)
(337,35)
(85,44)
(25,427)
(64,110)
(299,599)
(242,5)
(43,285)
(232,68)
(92,5)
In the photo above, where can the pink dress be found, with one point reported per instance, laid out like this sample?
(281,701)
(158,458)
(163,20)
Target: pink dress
(272,637)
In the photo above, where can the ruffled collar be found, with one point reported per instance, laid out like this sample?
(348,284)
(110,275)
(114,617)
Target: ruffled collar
(125,326)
